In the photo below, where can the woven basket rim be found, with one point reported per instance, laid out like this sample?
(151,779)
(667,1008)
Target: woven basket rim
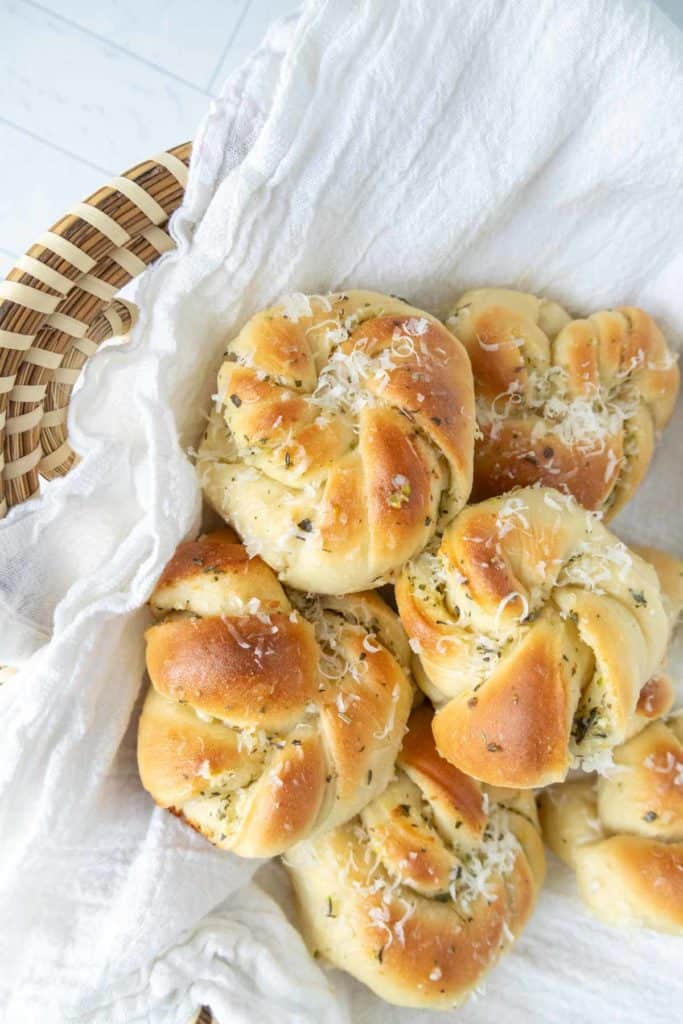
(58,303)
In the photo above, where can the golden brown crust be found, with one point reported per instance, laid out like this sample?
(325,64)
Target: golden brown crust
(570,404)
(544,459)
(352,414)
(288,797)
(517,730)
(222,551)
(419,753)
(645,795)
(669,570)
(630,881)
(536,631)
(623,833)
(236,669)
(266,722)
(407,901)
(176,750)
(654,701)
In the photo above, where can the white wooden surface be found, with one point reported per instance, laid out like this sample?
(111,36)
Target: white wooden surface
(89,88)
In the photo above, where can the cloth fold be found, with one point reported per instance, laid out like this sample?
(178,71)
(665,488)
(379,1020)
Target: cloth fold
(418,148)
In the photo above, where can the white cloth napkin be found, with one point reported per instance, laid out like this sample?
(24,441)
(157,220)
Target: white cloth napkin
(410,146)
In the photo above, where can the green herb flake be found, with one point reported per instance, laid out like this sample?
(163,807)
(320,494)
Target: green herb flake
(400,497)
(583,724)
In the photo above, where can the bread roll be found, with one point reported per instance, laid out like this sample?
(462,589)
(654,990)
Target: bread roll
(419,895)
(623,834)
(536,630)
(342,438)
(572,404)
(271,715)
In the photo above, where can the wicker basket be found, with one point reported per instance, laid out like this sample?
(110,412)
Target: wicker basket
(59,303)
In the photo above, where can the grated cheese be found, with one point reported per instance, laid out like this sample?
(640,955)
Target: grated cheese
(388,728)
(296,306)
(600,761)
(479,871)
(234,633)
(502,605)
(252,740)
(579,421)
(511,514)
(398,925)
(670,765)
(496,346)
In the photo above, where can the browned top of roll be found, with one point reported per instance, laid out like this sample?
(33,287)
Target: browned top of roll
(419,896)
(267,720)
(536,630)
(352,414)
(570,404)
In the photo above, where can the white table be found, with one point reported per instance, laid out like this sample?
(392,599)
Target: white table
(88,88)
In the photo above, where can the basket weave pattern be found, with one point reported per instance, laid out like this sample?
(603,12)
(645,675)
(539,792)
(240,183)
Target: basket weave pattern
(58,304)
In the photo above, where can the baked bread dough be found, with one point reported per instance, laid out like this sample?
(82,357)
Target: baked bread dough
(419,895)
(342,437)
(572,404)
(535,630)
(623,834)
(271,716)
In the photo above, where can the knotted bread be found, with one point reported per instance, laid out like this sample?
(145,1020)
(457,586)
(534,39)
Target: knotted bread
(419,895)
(342,437)
(623,834)
(573,404)
(536,630)
(270,716)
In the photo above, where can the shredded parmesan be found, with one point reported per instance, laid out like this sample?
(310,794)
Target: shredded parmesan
(296,306)
(479,871)
(669,765)
(601,761)
(496,346)
(234,633)
(582,421)
(502,605)
(388,728)
(398,925)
